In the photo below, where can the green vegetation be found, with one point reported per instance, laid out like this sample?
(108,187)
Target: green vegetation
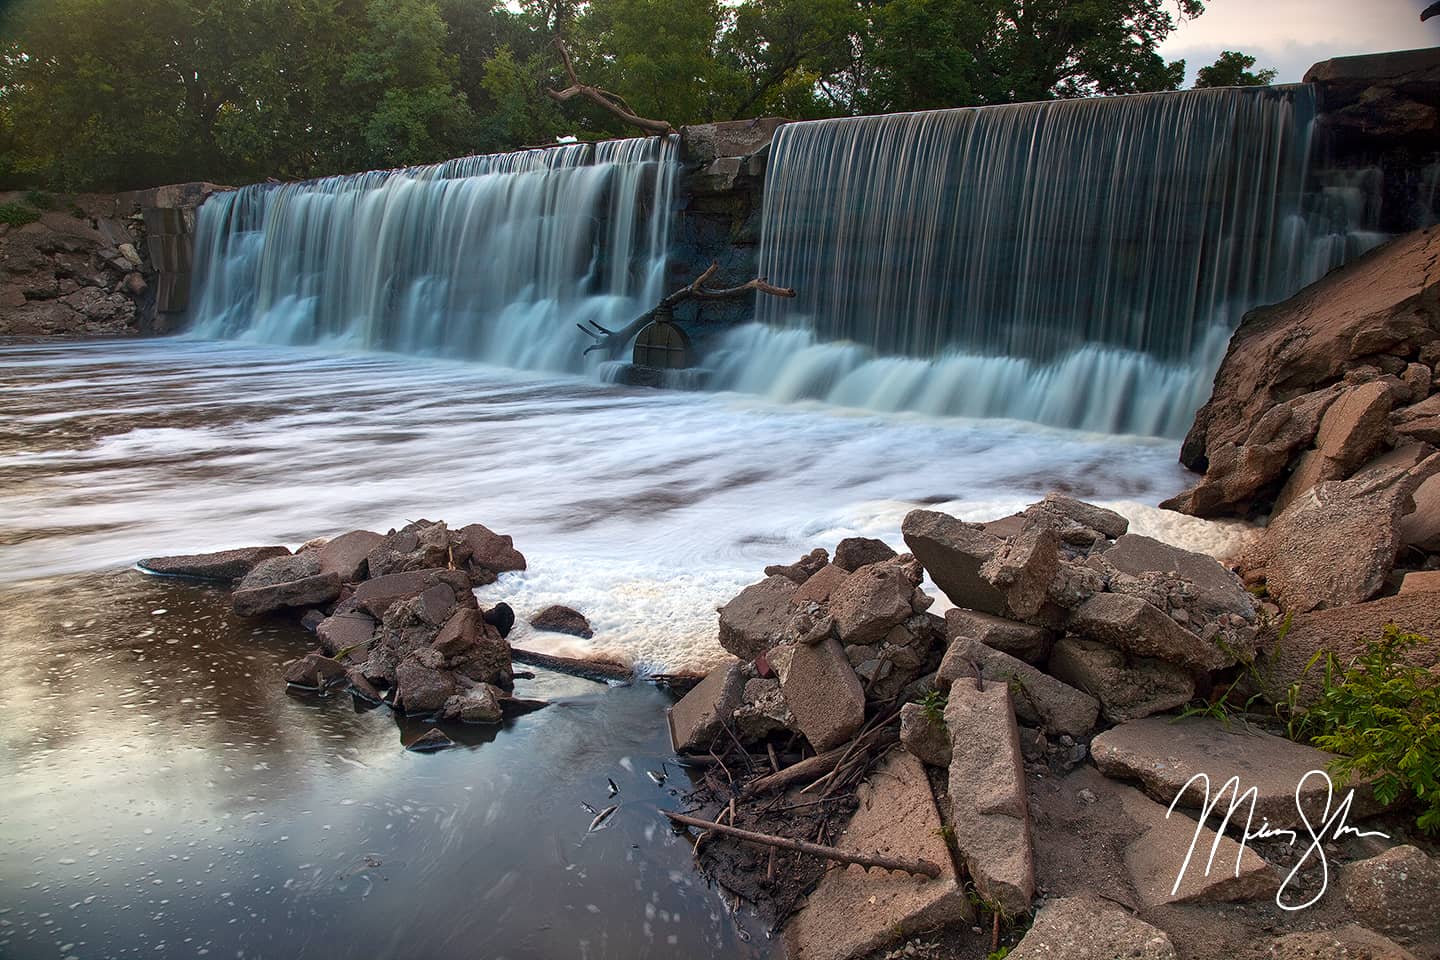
(18,214)
(933,705)
(1382,715)
(111,94)
(1232,69)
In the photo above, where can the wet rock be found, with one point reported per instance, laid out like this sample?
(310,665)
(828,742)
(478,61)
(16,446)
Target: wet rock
(987,795)
(361,687)
(1354,525)
(486,554)
(952,552)
(305,592)
(376,595)
(1394,893)
(1351,432)
(430,741)
(422,685)
(226,565)
(311,619)
(1039,699)
(1137,627)
(481,703)
(1164,753)
(695,721)
(422,545)
(802,569)
(822,690)
(558,619)
(852,553)
(343,631)
(872,601)
(314,671)
(474,649)
(281,569)
(854,912)
(820,586)
(1084,928)
(762,711)
(1350,942)
(755,620)
(345,556)
(1029,643)
(924,735)
(1127,687)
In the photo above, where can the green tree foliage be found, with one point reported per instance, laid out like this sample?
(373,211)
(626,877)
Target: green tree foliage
(1232,69)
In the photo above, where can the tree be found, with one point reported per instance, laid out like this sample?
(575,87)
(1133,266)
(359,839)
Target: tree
(1233,70)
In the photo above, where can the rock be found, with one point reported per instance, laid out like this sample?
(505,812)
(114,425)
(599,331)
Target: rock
(422,685)
(1246,436)
(485,553)
(1353,524)
(926,737)
(1421,527)
(1420,581)
(1350,942)
(1420,380)
(1127,687)
(431,741)
(1021,640)
(375,596)
(1158,853)
(1419,422)
(278,570)
(952,552)
(558,619)
(1394,893)
(501,617)
(434,604)
(1218,590)
(872,601)
(314,671)
(854,912)
(481,703)
(1024,567)
(852,553)
(227,565)
(474,649)
(755,620)
(345,555)
(1082,928)
(1137,627)
(695,721)
(1345,632)
(1164,753)
(306,592)
(1107,523)
(988,797)
(822,690)
(762,711)
(361,687)
(311,620)
(820,586)
(801,570)
(1351,432)
(421,545)
(345,630)
(1039,699)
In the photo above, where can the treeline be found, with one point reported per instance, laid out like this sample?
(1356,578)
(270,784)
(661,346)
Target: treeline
(111,94)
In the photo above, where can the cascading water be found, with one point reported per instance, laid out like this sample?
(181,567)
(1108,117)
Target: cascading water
(1079,263)
(494,258)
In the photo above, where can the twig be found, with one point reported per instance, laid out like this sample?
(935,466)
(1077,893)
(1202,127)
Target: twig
(610,102)
(923,868)
(807,769)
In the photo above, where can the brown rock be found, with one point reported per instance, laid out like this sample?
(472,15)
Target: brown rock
(282,569)
(755,620)
(821,584)
(1218,589)
(1137,627)
(1421,527)
(421,545)
(695,721)
(1107,523)
(1127,687)
(952,552)
(485,553)
(872,601)
(1350,942)
(1420,422)
(474,649)
(422,685)
(762,711)
(852,553)
(295,594)
(377,595)
(1081,928)
(228,565)
(857,913)
(1039,699)
(1420,581)
(925,736)
(1021,640)
(341,631)
(801,570)
(1024,567)
(1351,432)
(430,741)
(481,703)
(314,671)
(345,555)
(1394,893)
(822,690)
(558,619)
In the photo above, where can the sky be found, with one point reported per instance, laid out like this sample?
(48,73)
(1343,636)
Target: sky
(1290,35)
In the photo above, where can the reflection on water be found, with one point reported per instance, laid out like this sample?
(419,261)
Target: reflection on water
(166,796)
(644,509)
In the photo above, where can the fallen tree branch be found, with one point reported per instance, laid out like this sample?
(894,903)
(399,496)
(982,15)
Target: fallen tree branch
(922,868)
(601,671)
(614,341)
(610,102)
(807,770)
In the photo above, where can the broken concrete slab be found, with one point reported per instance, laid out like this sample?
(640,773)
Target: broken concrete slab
(346,555)
(1350,942)
(755,620)
(821,584)
(1029,643)
(871,602)
(1127,687)
(225,565)
(1220,590)
(822,690)
(345,630)
(1138,627)
(854,912)
(1040,700)
(952,552)
(924,735)
(305,592)
(1394,893)
(377,595)
(696,719)
(1165,753)
(1086,928)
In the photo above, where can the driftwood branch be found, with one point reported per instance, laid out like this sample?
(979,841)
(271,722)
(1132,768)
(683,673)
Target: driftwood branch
(612,342)
(922,868)
(604,99)
(807,770)
(601,671)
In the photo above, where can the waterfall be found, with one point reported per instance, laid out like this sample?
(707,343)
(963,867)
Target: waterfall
(493,258)
(1080,263)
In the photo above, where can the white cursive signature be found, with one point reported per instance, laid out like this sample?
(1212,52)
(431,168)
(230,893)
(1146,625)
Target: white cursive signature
(1332,826)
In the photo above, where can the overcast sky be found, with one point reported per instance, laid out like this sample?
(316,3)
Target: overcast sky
(1290,35)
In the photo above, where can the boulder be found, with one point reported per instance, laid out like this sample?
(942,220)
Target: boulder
(953,552)
(1039,699)
(474,649)
(1138,627)
(988,796)
(1353,524)
(226,565)
(345,630)
(281,569)
(856,912)
(377,595)
(820,585)
(822,690)
(1345,632)
(755,620)
(315,671)
(925,736)
(852,553)
(1127,687)
(345,556)
(695,721)
(1350,942)
(422,685)
(1394,893)
(802,569)
(486,554)
(1164,753)
(872,601)
(1029,643)
(422,545)
(1351,433)
(558,619)
(305,592)
(1084,928)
